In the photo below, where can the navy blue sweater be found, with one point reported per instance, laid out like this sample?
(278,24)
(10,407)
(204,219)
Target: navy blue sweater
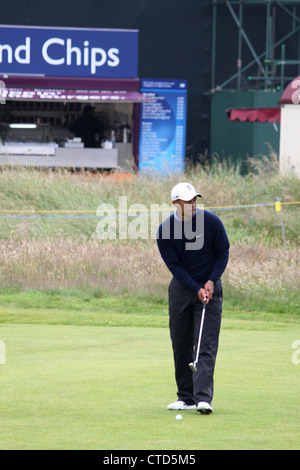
(194,265)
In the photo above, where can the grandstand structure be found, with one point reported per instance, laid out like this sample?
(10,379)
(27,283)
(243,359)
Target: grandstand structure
(268,64)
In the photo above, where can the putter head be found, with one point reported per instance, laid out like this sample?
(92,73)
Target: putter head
(193,366)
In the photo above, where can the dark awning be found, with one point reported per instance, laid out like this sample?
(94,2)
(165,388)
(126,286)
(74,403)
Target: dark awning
(70,89)
(254,114)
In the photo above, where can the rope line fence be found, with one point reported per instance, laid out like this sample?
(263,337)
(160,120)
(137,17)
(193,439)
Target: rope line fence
(277,205)
(19,214)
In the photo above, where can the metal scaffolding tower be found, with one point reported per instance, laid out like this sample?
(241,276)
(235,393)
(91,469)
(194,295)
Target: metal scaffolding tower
(267,71)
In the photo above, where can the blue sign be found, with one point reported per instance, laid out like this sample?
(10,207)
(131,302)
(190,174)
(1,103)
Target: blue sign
(69,52)
(163,126)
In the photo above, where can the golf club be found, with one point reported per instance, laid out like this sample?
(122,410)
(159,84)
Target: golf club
(193,365)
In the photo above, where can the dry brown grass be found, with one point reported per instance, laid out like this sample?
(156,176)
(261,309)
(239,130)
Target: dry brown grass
(50,264)
(253,267)
(116,268)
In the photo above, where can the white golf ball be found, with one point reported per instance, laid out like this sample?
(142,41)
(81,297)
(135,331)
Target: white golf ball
(178,418)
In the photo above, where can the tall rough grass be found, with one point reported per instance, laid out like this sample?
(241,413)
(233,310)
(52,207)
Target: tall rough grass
(65,253)
(65,194)
(124,269)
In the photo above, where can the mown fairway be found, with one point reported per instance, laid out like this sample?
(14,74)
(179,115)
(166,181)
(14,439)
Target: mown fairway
(84,321)
(83,387)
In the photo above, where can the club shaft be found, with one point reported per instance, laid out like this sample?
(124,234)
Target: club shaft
(200,332)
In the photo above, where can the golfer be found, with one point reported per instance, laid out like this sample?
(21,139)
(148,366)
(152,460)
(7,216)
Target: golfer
(194,245)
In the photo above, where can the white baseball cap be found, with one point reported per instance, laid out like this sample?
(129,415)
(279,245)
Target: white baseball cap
(184,191)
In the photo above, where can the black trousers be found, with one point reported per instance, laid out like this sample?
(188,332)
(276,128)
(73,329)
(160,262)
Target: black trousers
(185,310)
